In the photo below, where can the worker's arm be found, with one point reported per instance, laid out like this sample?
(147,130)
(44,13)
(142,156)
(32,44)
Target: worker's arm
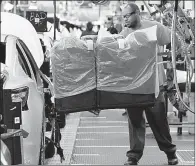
(164,36)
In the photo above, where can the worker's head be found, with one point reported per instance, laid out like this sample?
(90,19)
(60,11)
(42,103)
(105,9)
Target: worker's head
(89,26)
(131,15)
(109,22)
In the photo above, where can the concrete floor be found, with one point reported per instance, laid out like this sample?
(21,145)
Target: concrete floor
(103,140)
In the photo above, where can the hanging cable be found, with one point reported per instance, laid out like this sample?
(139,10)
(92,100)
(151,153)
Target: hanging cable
(101,2)
(173,53)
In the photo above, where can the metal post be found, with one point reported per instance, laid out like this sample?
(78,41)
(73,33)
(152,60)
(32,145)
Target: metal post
(99,11)
(1,81)
(1,5)
(15,5)
(1,96)
(54,20)
(183,4)
(180,117)
(66,6)
(25,12)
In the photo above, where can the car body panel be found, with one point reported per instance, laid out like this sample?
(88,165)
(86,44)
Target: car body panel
(32,118)
(5,154)
(18,26)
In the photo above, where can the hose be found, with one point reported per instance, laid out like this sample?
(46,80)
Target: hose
(173,54)
(99,2)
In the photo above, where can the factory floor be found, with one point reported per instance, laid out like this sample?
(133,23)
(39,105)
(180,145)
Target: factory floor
(88,139)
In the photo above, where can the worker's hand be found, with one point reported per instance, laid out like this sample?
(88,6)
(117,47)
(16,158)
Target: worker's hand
(117,36)
(89,37)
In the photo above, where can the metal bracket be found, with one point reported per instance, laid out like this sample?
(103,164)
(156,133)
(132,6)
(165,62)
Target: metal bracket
(14,133)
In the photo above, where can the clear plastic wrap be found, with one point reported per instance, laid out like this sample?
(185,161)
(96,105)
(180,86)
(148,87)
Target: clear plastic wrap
(122,65)
(73,67)
(130,69)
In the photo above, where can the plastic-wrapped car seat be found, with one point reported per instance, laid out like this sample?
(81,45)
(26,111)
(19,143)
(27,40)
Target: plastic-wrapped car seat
(73,69)
(126,75)
(110,76)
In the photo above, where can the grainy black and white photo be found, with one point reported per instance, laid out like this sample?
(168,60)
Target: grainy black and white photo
(98,82)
